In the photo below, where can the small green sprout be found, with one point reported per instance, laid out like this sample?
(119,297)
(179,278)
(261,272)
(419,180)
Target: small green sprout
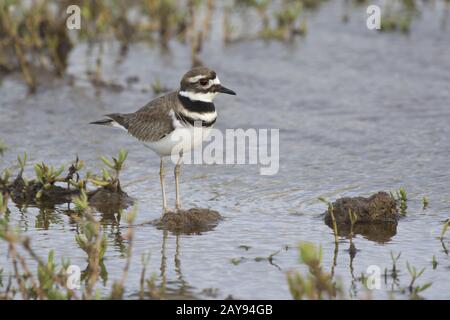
(425,202)
(333,218)
(3,147)
(317,284)
(47,175)
(394,262)
(444,229)
(22,161)
(81,202)
(116,165)
(434,262)
(310,254)
(415,290)
(3,204)
(401,198)
(5,176)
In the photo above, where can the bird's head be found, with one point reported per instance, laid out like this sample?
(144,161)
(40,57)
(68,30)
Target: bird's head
(202,84)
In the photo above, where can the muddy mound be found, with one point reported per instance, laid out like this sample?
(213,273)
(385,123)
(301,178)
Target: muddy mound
(26,193)
(109,201)
(376,217)
(105,199)
(192,221)
(380,207)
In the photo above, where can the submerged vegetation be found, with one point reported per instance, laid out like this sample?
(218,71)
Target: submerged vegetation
(2,147)
(34,38)
(401,198)
(318,284)
(50,186)
(52,280)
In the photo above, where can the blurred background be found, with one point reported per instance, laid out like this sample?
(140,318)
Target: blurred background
(358,110)
(35,37)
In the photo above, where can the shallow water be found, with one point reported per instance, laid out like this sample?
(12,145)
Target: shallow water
(358,111)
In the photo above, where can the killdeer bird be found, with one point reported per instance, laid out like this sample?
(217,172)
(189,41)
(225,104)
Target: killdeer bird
(166,124)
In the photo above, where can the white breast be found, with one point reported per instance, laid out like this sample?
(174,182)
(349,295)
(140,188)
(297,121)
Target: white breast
(184,137)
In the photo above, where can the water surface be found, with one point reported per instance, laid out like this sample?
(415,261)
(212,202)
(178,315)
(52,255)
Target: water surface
(358,112)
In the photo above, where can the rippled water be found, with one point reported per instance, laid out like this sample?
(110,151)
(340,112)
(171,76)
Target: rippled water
(358,111)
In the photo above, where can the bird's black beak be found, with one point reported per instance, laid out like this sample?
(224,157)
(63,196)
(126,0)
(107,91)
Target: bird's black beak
(222,89)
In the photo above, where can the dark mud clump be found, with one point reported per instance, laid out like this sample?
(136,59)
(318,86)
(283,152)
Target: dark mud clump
(380,207)
(108,201)
(376,216)
(192,221)
(25,193)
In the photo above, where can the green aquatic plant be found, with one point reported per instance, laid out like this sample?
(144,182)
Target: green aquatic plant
(288,14)
(312,4)
(47,176)
(398,15)
(318,284)
(3,204)
(415,274)
(395,259)
(353,219)
(51,280)
(261,7)
(330,209)
(3,147)
(34,38)
(403,195)
(111,179)
(4,178)
(401,198)
(118,287)
(228,27)
(444,229)
(46,187)
(145,259)
(22,162)
(434,262)
(425,202)
(237,261)
(91,240)
(81,202)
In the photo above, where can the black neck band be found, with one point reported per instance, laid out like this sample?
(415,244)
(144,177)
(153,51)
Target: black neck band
(196,106)
(193,122)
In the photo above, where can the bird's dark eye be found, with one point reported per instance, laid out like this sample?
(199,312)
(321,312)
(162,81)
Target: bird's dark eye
(204,82)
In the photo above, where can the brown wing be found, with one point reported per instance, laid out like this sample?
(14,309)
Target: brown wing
(150,123)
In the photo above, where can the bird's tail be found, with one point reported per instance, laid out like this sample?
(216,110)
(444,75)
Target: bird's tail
(117,120)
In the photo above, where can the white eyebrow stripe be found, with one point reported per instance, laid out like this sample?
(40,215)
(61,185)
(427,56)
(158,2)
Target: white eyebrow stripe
(196,78)
(212,82)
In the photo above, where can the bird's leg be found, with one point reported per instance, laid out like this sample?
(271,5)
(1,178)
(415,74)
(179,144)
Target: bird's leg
(177,172)
(161,177)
